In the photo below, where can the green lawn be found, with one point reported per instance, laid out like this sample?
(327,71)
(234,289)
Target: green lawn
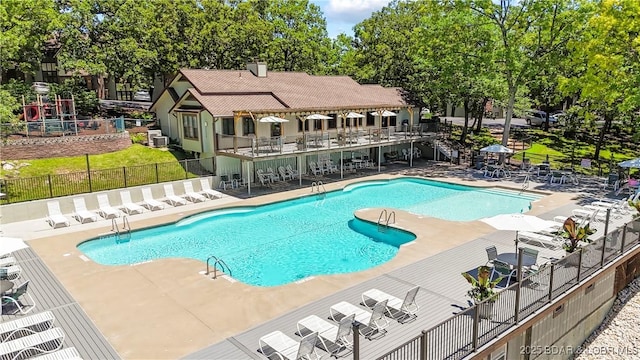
(135,155)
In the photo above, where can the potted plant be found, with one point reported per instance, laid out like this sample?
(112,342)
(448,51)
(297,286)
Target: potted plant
(483,288)
(574,233)
(300,142)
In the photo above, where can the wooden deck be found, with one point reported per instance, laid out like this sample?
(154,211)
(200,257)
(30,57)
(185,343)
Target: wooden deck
(49,294)
(442,294)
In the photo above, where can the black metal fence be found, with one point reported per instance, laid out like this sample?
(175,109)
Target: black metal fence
(56,185)
(467,331)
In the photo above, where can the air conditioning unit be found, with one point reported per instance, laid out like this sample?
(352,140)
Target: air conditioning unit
(160,141)
(152,134)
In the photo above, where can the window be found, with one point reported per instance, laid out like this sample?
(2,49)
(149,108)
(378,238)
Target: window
(332,123)
(227,126)
(248,127)
(190,126)
(49,72)
(371,120)
(302,123)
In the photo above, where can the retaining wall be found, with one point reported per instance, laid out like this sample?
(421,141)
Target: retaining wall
(41,148)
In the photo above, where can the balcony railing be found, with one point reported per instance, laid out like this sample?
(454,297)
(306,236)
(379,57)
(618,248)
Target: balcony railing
(314,141)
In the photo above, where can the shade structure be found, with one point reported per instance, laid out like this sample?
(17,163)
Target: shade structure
(633,163)
(272,119)
(318,117)
(496,148)
(517,222)
(352,115)
(9,245)
(384,113)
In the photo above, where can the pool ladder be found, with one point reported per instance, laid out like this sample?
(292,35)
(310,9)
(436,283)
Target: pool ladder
(218,262)
(385,219)
(126,230)
(525,183)
(318,185)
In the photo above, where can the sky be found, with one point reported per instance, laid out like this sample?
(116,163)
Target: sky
(343,15)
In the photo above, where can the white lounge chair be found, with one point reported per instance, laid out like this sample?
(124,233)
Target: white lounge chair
(128,206)
(55,219)
(82,215)
(334,339)
(149,202)
(11,272)
(7,261)
(29,346)
(11,330)
(284,174)
(208,191)
(401,310)
(171,198)
(285,348)
(264,179)
(373,322)
(13,298)
(547,241)
(191,195)
(105,209)
(69,353)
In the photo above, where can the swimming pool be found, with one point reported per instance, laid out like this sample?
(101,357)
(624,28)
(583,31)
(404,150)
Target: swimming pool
(287,241)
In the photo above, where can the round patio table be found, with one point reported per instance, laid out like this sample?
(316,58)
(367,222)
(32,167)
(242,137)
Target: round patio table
(512,259)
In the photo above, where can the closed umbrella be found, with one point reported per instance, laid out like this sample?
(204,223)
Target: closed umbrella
(517,222)
(9,245)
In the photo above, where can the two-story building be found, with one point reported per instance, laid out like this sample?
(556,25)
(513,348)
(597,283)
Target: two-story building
(270,119)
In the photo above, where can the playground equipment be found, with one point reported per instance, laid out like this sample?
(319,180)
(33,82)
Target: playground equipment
(47,118)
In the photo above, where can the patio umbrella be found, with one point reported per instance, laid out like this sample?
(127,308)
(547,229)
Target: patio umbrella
(496,148)
(385,113)
(318,117)
(9,245)
(354,115)
(517,222)
(272,119)
(633,163)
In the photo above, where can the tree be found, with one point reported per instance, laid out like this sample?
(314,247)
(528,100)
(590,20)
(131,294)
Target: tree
(25,26)
(607,62)
(529,32)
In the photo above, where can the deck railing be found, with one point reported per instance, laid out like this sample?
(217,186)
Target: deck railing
(464,333)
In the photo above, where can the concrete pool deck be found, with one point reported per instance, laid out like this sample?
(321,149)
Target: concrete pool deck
(166,309)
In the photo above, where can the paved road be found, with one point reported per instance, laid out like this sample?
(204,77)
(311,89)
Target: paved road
(515,122)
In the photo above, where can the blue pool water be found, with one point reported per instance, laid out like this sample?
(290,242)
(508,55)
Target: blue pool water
(283,242)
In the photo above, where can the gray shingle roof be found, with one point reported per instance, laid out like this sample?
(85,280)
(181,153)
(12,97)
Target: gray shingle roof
(223,91)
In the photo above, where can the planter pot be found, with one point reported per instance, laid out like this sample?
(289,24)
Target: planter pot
(485,310)
(572,260)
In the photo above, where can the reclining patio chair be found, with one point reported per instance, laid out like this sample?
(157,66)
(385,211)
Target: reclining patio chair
(70,353)
(129,206)
(171,198)
(105,209)
(401,310)
(372,322)
(191,195)
(82,215)
(55,219)
(7,261)
(208,191)
(13,298)
(292,172)
(285,348)
(11,330)
(334,339)
(32,345)
(149,202)
(11,272)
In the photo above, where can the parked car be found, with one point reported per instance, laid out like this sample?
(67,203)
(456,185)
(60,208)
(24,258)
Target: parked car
(41,88)
(141,95)
(538,118)
(557,117)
